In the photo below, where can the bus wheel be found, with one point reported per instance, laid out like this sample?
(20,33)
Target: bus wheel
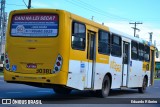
(62,90)
(104,92)
(144,86)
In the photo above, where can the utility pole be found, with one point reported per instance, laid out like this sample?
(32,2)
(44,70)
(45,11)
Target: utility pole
(135,27)
(3,22)
(150,36)
(92,17)
(29,4)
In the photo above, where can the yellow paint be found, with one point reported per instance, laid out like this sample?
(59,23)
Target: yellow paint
(83,79)
(102,58)
(130,69)
(47,49)
(45,52)
(146,66)
(115,66)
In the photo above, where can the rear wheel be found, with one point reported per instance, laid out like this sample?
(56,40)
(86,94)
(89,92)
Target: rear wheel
(144,86)
(62,90)
(104,92)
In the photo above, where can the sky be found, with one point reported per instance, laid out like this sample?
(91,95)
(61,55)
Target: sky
(113,13)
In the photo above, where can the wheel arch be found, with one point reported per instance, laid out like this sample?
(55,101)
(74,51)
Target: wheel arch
(146,76)
(110,77)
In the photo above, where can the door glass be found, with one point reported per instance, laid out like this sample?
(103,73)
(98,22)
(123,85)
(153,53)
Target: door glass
(91,46)
(125,53)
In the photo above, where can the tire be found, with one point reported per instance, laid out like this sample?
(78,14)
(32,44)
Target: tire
(144,86)
(62,90)
(106,85)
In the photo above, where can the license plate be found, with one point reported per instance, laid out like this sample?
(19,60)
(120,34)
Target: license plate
(33,66)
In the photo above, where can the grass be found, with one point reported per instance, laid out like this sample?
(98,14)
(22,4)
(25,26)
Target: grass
(157,78)
(1,73)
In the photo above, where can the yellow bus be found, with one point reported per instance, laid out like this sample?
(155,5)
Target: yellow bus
(57,49)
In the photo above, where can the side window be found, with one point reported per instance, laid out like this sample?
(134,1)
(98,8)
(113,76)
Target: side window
(103,42)
(134,50)
(146,53)
(78,36)
(141,52)
(116,49)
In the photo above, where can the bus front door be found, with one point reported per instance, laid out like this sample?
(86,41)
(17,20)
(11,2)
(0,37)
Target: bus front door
(91,56)
(125,63)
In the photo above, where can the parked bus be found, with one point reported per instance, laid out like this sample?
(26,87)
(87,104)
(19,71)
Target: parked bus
(57,49)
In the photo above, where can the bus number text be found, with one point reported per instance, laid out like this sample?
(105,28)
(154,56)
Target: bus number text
(44,71)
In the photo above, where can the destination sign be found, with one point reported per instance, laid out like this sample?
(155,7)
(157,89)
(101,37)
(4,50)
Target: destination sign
(36,25)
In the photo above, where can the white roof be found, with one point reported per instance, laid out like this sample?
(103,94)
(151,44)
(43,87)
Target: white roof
(140,40)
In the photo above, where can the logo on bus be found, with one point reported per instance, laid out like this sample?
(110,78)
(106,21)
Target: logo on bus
(115,66)
(20,29)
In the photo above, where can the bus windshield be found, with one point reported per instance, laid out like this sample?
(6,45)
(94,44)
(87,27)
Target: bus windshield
(34,25)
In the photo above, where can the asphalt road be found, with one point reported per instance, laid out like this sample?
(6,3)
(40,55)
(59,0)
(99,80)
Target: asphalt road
(13,91)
